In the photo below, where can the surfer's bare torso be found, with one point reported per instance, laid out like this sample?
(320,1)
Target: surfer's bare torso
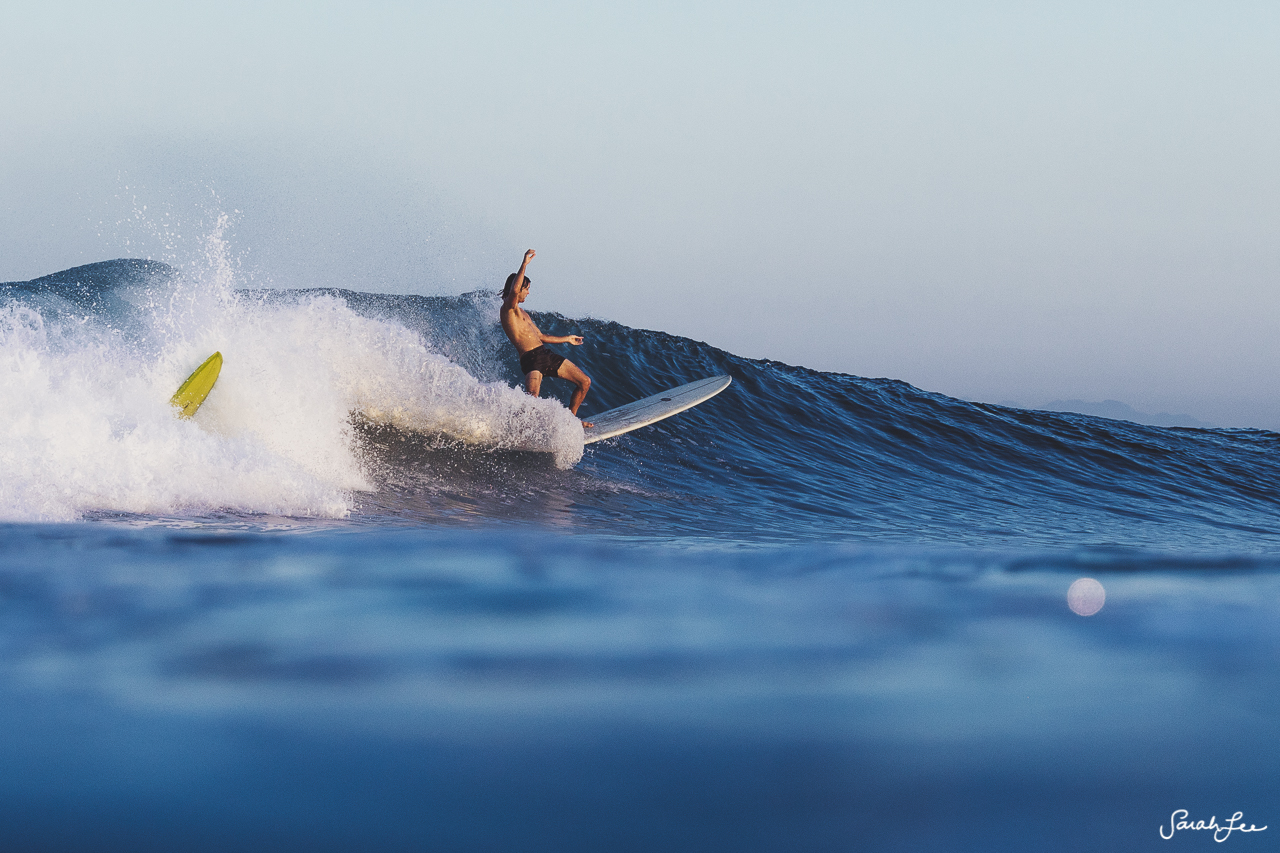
(536,361)
(520,328)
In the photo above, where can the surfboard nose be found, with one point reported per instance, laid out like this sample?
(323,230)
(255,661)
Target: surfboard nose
(191,393)
(650,410)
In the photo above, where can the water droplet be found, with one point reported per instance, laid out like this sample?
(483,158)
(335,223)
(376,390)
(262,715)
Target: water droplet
(1086,597)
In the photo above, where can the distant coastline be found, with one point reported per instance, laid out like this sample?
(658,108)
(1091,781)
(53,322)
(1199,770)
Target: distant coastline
(1118,411)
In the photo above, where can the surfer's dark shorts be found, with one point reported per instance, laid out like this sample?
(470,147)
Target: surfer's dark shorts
(542,360)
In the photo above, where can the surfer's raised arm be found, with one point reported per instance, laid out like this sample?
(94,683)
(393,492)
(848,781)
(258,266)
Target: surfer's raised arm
(519,279)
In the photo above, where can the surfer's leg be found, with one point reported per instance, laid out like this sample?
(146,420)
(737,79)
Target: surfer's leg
(533,382)
(574,374)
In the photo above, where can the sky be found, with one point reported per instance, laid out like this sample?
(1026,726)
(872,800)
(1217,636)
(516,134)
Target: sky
(998,201)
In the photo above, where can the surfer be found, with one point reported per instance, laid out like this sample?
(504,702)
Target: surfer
(536,361)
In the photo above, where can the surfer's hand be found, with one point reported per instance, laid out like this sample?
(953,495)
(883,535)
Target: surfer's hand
(576,340)
(529,255)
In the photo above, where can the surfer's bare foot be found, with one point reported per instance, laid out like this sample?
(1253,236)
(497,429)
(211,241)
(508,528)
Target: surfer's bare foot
(586,424)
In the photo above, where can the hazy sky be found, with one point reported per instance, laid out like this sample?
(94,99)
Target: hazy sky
(999,201)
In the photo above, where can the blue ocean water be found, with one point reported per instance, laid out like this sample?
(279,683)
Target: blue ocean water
(374,597)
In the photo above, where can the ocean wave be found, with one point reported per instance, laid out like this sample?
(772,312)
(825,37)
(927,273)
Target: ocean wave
(380,407)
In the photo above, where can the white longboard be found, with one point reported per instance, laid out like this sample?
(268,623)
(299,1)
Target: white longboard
(652,409)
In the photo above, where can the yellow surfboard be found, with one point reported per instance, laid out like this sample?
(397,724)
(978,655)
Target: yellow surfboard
(198,385)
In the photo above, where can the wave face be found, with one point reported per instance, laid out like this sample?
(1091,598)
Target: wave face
(384,409)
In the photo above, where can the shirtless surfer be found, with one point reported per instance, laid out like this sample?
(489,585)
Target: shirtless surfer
(536,361)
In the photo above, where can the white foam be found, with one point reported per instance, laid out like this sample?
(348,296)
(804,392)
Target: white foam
(85,424)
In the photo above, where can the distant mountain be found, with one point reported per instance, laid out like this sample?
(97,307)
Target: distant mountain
(1116,410)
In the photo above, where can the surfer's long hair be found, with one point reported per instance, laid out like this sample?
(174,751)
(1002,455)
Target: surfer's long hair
(511,283)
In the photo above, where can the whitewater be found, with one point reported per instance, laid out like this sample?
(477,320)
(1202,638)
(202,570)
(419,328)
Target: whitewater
(89,359)
(374,596)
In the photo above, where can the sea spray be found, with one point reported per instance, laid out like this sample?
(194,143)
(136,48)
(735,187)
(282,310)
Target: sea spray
(85,427)
(298,368)
(87,368)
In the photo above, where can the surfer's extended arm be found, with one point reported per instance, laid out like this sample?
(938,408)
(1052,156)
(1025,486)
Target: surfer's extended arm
(576,340)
